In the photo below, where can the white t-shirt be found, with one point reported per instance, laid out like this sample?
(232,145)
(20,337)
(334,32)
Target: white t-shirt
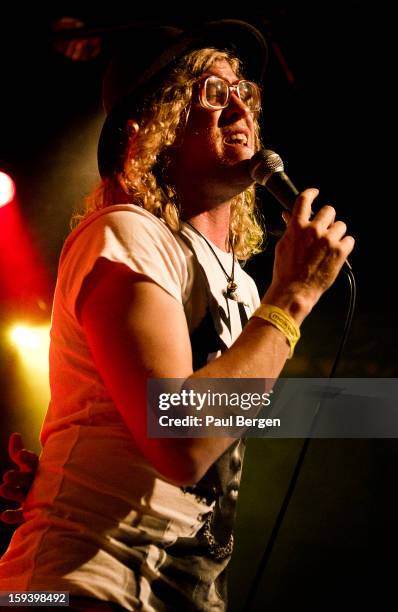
(100,521)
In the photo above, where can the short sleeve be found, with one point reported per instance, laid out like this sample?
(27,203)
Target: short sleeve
(125,234)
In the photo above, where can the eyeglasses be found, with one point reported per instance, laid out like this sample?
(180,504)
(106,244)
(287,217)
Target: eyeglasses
(215,92)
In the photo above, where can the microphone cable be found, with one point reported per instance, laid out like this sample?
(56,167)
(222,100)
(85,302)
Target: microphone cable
(248,607)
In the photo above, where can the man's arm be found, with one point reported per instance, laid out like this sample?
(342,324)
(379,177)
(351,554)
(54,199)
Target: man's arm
(136,330)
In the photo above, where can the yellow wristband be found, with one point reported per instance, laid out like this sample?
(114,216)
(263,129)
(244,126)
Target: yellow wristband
(282,321)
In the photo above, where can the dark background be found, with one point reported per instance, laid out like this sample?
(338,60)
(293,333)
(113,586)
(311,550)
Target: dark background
(327,111)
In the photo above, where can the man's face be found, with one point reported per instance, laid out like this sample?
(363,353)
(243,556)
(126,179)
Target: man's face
(216,141)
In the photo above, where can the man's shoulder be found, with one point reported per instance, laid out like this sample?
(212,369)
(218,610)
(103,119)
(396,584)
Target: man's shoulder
(126,221)
(122,214)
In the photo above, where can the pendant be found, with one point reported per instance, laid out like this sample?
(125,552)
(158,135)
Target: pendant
(231,289)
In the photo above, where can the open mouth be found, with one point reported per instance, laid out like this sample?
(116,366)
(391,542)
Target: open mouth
(232,490)
(236,139)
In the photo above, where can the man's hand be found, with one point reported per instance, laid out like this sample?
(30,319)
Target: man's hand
(308,257)
(16,483)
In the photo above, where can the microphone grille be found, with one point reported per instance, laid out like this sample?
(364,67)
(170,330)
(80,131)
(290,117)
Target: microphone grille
(264,163)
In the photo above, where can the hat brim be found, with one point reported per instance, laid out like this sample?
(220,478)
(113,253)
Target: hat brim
(241,39)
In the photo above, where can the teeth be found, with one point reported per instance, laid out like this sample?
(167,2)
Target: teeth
(238,138)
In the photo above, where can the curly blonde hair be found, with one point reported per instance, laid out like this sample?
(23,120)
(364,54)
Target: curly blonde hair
(162,122)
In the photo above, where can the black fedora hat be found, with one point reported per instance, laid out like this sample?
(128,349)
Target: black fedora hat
(146,56)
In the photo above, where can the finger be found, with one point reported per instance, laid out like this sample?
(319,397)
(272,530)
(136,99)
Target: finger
(325,217)
(16,478)
(27,460)
(12,517)
(286,216)
(302,210)
(15,445)
(12,493)
(347,244)
(337,230)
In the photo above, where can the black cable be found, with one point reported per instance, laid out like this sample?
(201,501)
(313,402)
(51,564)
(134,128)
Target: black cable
(297,468)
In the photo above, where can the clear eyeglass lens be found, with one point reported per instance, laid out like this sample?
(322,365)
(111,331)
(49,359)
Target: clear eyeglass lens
(216,92)
(248,94)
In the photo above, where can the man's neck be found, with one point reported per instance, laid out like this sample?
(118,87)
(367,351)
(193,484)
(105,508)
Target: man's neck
(214,224)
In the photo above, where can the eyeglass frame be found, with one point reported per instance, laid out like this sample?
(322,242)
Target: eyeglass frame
(230,88)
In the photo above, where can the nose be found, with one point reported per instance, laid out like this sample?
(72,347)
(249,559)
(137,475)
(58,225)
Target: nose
(236,108)
(235,459)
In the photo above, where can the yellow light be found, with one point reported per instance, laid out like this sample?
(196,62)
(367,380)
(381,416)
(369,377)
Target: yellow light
(24,337)
(31,391)
(32,343)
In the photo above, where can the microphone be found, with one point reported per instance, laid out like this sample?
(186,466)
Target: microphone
(266,168)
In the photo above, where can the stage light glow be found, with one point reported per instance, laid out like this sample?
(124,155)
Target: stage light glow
(24,278)
(24,337)
(31,389)
(7,189)
(30,340)
(32,344)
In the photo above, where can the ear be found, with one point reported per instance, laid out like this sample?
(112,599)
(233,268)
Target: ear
(125,191)
(132,128)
